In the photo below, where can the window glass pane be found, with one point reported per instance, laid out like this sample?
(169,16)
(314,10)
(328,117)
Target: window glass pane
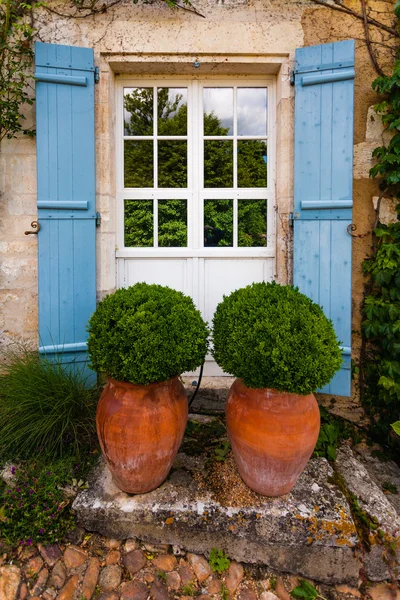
(138,223)
(172,223)
(252,223)
(218,223)
(172,164)
(218,111)
(138,163)
(252,163)
(138,111)
(252,111)
(172,111)
(218,163)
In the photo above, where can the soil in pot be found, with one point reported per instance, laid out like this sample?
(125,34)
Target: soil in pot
(140,429)
(273,435)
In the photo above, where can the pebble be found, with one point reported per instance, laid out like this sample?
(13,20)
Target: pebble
(91,577)
(110,578)
(23,591)
(158,590)
(268,596)
(112,544)
(130,544)
(33,566)
(173,581)
(159,548)
(58,575)
(134,561)
(178,551)
(74,557)
(49,594)
(76,536)
(50,554)
(382,591)
(186,572)
(67,592)
(281,591)
(134,590)
(213,585)
(28,552)
(113,557)
(200,566)
(40,582)
(10,577)
(247,594)
(149,577)
(234,576)
(345,589)
(108,596)
(204,597)
(165,562)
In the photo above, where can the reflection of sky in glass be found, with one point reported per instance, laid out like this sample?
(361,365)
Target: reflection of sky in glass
(220,102)
(173,95)
(252,111)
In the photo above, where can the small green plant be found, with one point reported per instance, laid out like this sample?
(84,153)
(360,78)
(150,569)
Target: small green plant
(146,333)
(273,582)
(387,486)
(45,409)
(306,591)
(161,575)
(333,431)
(37,509)
(396,427)
(189,589)
(218,561)
(221,453)
(273,336)
(224,592)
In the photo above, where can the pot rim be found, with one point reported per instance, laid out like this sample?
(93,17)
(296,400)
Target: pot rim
(272,391)
(129,385)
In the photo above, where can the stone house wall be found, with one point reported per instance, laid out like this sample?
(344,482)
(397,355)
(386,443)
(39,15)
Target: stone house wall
(236,36)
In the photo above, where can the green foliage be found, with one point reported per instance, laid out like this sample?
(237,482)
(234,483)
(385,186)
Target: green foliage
(16,54)
(388,486)
(396,427)
(273,336)
(218,561)
(146,333)
(222,451)
(381,329)
(37,508)
(46,409)
(306,591)
(189,589)
(333,431)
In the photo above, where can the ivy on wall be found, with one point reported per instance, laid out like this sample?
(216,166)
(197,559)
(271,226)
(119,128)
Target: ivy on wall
(380,357)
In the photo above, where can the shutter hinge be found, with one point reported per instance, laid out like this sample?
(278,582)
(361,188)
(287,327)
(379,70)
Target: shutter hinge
(96,74)
(292,217)
(291,77)
(98,219)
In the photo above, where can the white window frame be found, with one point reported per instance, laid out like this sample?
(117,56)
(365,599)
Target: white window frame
(195,187)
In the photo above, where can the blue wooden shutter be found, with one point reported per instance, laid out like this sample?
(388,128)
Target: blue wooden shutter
(323,195)
(65,199)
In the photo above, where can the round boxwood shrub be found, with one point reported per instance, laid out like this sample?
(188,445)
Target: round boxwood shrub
(146,333)
(273,336)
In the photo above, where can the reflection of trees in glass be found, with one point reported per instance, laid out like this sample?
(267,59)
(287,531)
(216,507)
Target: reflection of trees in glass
(252,223)
(218,223)
(138,223)
(172,172)
(172,223)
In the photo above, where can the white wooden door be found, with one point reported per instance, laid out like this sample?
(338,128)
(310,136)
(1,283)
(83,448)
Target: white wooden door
(195,186)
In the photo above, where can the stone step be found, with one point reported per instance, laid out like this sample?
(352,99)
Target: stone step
(315,531)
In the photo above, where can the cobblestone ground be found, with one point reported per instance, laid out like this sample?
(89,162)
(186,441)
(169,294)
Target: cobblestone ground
(93,567)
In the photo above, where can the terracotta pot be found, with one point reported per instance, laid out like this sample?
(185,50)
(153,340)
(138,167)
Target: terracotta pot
(273,434)
(140,428)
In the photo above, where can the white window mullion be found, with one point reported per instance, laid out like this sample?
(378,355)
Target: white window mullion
(235,222)
(155,222)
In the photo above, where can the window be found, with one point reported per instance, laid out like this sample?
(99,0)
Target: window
(194,170)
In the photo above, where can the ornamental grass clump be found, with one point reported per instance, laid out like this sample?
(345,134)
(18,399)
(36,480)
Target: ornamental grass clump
(46,408)
(146,334)
(272,336)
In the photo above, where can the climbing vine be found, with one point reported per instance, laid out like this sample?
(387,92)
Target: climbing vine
(380,356)
(17,32)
